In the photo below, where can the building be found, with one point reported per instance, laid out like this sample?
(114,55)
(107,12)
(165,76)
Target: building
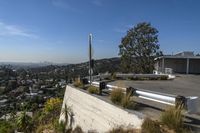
(184,62)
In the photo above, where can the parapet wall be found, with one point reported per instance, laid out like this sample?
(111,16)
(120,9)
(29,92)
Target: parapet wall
(92,113)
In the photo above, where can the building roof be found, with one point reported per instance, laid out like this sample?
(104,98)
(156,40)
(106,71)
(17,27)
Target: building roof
(181,55)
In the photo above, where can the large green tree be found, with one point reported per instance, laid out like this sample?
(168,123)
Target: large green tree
(139,48)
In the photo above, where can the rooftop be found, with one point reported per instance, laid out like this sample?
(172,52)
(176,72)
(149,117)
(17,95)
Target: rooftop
(181,55)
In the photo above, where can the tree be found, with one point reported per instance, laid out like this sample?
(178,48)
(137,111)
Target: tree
(24,122)
(139,48)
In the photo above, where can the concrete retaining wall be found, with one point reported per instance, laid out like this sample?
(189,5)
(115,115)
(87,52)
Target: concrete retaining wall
(92,113)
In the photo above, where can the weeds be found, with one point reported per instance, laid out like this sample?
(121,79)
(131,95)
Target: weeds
(122,130)
(78,84)
(150,126)
(93,90)
(116,96)
(173,119)
(127,102)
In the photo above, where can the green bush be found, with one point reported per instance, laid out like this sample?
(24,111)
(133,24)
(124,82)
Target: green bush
(127,102)
(173,119)
(150,126)
(93,90)
(116,96)
(6,127)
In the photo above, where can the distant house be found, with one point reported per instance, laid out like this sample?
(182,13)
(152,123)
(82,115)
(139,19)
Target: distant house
(184,62)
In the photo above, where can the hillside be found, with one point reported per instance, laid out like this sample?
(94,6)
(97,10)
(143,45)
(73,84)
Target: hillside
(81,69)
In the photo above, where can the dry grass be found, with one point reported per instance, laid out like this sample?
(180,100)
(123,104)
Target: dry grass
(120,84)
(45,129)
(173,119)
(116,96)
(93,90)
(150,126)
(78,84)
(123,130)
(128,102)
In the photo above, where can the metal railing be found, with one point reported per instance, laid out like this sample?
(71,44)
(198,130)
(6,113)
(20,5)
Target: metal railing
(189,103)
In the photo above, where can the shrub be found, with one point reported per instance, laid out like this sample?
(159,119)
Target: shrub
(78,84)
(173,119)
(150,126)
(93,90)
(122,130)
(51,110)
(6,127)
(113,76)
(163,78)
(52,105)
(127,102)
(42,128)
(116,96)
(61,127)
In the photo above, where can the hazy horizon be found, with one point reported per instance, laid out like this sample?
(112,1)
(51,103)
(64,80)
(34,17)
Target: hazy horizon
(57,30)
(37,62)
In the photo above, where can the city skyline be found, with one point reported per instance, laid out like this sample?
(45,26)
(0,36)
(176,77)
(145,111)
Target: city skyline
(57,30)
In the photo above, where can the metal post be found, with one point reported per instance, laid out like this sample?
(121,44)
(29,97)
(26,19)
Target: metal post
(180,102)
(90,58)
(188,66)
(163,65)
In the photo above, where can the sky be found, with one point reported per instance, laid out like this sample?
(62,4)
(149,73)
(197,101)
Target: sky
(57,30)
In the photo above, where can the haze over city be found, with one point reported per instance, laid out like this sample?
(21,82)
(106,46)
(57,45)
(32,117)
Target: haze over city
(57,30)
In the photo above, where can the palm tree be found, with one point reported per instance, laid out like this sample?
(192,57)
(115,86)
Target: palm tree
(24,122)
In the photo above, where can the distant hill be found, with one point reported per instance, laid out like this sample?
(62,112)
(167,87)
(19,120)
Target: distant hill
(100,66)
(25,65)
(72,70)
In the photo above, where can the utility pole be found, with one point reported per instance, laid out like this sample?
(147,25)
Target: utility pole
(90,58)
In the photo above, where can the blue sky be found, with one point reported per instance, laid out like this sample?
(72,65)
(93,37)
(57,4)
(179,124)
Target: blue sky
(57,30)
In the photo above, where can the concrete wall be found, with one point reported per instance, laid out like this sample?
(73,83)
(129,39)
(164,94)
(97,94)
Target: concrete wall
(92,113)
